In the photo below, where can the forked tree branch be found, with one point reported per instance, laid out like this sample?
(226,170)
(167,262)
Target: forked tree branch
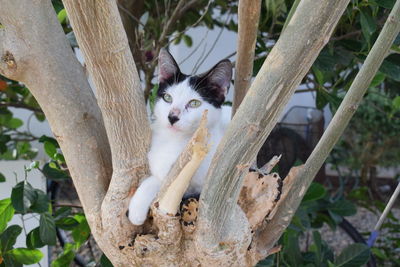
(99,31)
(34,50)
(306,34)
(249,15)
(273,230)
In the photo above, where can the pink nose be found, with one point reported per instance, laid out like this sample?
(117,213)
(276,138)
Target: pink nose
(175,112)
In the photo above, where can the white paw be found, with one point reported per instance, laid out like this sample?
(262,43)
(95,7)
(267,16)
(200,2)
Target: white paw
(137,213)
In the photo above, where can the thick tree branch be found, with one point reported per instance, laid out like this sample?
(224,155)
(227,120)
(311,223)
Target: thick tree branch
(34,50)
(288,62)
(275,227)
(102,39)
(249,15)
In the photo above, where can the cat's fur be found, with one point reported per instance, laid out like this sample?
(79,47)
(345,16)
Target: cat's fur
(168,140)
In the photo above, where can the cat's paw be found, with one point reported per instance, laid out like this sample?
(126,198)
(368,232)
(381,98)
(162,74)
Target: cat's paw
(137,213)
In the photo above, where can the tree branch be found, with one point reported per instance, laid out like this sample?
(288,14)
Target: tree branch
(120,97)
(275,227)
(288,62)
(249,15)
(34,50)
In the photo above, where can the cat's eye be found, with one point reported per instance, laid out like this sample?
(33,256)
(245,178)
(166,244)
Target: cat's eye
(167,98)
(194,103)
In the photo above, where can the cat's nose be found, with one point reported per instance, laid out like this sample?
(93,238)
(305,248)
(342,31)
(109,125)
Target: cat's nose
(172,118)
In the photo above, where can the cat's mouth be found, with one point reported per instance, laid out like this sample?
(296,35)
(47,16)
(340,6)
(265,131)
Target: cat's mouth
(174,128)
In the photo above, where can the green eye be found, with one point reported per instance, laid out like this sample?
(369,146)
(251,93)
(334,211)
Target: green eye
(167,98)
(194,103)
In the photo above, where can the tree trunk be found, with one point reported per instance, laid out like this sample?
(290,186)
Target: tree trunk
(35,51)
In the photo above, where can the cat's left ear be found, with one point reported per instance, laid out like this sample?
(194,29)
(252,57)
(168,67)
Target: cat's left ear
(221,75)
(167,66)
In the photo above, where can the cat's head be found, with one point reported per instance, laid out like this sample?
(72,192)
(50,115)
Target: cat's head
(183,98)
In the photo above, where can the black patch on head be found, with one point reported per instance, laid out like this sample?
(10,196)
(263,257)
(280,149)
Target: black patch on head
(177,78)
(209,92)
(212,86)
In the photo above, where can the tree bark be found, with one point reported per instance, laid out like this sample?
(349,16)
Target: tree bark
(99,31)
(290,59)
(34,50)
(249,15)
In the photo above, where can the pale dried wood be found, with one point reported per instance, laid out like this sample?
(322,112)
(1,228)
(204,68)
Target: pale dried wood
(193,156)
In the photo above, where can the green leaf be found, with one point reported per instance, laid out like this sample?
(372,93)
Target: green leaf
(62,15)
(9,237)
(14,123)
(2,178)
(47,229)
(62,213)
(188,40)
(64,260)
(82,232)
(26,256)
(50,149)
(368,25)
(314,192)
(391,69)
(318,248)
(386,3)
(67,223)
(105,262)
(6,213)
(396,103)
(23,195)
(33,165)
(33,239)
(10,262)
(42,202)
(353,255)
(45,138)
(378,79)
(343,208)
(380,253)
(54,173)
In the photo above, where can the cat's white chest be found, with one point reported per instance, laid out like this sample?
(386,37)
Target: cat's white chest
(166,148)
(164,151)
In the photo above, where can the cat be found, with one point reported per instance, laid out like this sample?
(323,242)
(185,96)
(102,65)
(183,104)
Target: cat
(181,100)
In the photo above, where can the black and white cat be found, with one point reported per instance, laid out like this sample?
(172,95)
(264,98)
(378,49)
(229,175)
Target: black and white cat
(178,110)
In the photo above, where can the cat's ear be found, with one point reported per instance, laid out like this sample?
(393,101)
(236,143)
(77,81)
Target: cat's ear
(167,66)
(220,76)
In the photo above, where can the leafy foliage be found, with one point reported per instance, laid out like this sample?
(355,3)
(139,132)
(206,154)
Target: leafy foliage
(316,209)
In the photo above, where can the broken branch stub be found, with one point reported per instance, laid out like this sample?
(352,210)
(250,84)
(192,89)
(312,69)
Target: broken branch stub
(190,159)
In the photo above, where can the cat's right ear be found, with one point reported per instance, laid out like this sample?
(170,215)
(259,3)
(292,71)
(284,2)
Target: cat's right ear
(167,66)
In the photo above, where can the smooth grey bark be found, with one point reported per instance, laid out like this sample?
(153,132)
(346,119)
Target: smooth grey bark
(306,34)
(100,33)
(34,50)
